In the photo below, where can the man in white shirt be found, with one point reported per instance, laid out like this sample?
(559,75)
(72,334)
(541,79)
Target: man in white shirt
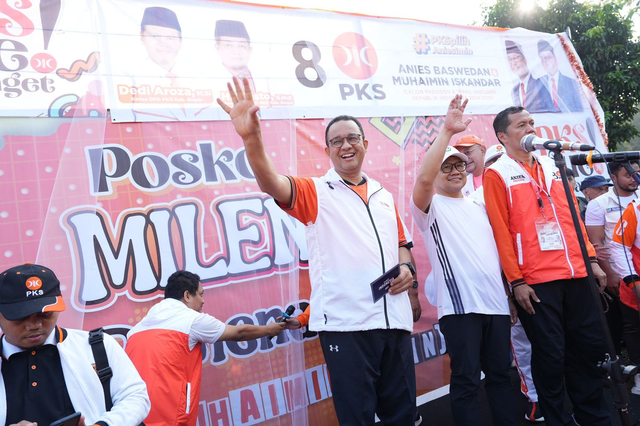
(166,348)
(474,310)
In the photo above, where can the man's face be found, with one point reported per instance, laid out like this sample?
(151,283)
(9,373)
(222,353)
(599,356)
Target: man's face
(195,301)
(572,182)
(549,62)
(521,124)
(518,64)
(31,331)
(348,158)
(162,44)
(593,193)
(234,52)
(451,183)
(475,163)
(623,181)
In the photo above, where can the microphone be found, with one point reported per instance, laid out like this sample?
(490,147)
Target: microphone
(618,157)
(532,142)
(285,316)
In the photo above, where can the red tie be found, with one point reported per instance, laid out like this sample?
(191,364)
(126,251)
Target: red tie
(555,93)
(523,95)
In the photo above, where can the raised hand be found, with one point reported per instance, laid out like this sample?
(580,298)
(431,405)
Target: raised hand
(243,113)
(453,121)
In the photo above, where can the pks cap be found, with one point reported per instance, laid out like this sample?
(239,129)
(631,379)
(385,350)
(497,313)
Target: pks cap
(468,140)
(29,289)
(452,152)
(494,151)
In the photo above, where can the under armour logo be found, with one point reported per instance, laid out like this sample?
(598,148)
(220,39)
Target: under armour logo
(333,348)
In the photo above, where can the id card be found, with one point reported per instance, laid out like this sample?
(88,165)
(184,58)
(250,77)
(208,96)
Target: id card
(549,236)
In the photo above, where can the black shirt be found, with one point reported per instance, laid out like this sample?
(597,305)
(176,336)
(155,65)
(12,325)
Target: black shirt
(35,386)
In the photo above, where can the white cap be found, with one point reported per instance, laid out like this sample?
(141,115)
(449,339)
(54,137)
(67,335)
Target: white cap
(494,151)
(452,152)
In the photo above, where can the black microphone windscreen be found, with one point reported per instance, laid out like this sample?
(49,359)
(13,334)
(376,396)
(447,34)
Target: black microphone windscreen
(578,159)
(290,310)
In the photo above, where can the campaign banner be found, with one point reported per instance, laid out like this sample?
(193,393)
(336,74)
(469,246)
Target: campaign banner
(171,63)
(50,59)
(133,171)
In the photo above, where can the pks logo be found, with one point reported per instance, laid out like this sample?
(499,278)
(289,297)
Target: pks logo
(556,175)
(355,56)
(33,283)
(421,44)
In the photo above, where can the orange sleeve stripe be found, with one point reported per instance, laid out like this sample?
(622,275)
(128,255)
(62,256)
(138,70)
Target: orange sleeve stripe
(402,239)
(495,195)
(304,317)
(304,200)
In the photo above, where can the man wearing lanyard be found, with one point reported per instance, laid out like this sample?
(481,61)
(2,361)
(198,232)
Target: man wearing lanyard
(542,261)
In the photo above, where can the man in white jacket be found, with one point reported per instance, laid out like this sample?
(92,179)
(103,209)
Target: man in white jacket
(47,372)
(354,235)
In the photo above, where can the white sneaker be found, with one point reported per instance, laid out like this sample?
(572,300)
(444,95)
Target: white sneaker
(636,386)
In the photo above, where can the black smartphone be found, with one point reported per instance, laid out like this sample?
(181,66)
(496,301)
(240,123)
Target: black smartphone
(71,420)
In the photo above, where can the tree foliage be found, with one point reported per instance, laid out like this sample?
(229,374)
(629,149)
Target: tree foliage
(603,37)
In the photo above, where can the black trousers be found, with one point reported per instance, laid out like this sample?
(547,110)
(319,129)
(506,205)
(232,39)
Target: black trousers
(614,320)
(567,342)
(476,342)
(371,372)
(631,333)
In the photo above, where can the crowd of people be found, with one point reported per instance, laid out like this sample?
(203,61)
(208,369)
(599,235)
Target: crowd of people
(507,274)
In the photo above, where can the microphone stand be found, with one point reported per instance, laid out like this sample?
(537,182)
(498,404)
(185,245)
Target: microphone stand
(611,365)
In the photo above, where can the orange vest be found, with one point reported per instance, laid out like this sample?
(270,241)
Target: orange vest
(627,296)
(539,266)
(159,348)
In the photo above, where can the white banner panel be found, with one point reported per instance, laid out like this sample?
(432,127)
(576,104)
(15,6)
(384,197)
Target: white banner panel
(170,63)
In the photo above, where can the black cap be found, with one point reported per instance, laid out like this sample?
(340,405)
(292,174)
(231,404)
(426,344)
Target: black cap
(544,46)
(226,28)
(513,47)
(161,17)
(29,289)
(594,182)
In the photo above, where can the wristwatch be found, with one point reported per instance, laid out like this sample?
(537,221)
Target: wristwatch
(415,284)
(410,266)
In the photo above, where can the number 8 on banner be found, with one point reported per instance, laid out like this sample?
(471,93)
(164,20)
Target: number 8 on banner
(305,64)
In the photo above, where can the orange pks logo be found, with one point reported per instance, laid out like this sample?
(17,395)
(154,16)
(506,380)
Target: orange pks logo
(34,283)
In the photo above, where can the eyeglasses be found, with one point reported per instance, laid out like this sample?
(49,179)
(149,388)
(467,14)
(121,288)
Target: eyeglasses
(353,139)
(460,166)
